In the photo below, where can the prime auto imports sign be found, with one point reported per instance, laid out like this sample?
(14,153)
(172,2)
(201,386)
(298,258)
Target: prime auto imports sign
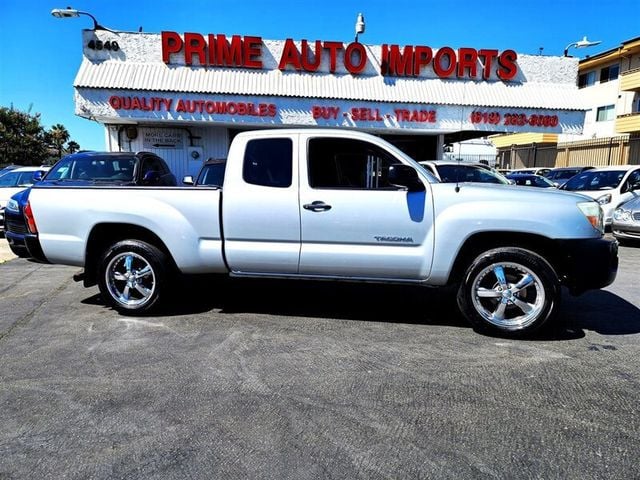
(407,61)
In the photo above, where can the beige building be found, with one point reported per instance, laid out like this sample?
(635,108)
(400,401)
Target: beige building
(609,84)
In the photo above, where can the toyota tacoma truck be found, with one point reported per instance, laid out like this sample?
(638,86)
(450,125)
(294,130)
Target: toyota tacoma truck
(329,204)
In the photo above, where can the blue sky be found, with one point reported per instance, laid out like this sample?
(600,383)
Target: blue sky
(40,55)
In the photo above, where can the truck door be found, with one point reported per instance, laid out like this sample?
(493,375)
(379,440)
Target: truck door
(354,223)
(260,214)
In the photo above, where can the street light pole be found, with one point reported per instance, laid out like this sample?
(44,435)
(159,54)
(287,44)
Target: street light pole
(580,44)
(71,12)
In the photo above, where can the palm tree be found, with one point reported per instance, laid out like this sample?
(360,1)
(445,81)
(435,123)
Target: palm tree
(59,136)
(72,147)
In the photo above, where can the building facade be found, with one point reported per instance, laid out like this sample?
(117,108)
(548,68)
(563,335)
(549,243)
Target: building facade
(609,87)
(185,95)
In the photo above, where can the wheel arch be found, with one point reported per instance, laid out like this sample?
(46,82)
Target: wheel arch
(103,235)
(480,242)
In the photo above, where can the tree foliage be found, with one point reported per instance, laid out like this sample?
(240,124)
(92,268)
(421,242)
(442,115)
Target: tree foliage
(24,141)
(58,136)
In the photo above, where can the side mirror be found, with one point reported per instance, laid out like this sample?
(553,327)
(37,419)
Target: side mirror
(38,176)
(188,180)
(151,178)
(401,175)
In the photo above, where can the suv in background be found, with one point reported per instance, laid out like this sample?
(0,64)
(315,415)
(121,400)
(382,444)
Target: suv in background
(85,169)
(211,174)
(113,168)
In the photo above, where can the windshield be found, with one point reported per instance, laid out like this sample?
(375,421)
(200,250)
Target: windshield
(593,180)
(115,169)
(16,179)
(469,173)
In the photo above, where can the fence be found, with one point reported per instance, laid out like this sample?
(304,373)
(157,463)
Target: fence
(600,152)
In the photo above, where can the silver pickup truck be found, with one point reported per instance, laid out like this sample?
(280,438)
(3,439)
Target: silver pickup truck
(329,204)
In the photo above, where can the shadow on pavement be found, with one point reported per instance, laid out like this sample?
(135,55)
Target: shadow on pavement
(340,300)
(602,312)
(599,311)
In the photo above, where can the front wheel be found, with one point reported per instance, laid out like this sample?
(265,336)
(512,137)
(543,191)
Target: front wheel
(509,291)
(131,276)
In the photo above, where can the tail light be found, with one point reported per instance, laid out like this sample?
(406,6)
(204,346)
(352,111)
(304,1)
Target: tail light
(28,216)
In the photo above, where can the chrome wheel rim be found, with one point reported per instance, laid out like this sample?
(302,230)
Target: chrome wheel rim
(508,295)
(130,279)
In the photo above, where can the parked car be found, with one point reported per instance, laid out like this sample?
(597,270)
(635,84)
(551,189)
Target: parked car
(530,180)
(609,186)
(211,174)
(114,168)
(531,171)
(87,169)
(457,172)
(14,180)
(6,168)
(560,175)
(626,221)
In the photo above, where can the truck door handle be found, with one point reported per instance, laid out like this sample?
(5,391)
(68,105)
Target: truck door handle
(317,206)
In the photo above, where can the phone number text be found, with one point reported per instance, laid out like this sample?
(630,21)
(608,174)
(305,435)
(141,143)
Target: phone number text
(514,119)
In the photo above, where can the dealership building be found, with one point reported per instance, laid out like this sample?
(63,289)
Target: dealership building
(185,95)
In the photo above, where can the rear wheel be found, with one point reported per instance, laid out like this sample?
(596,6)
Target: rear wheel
(131,276)
(509,291)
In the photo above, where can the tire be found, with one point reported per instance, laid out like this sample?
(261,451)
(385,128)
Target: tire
(132,276)
(510,292)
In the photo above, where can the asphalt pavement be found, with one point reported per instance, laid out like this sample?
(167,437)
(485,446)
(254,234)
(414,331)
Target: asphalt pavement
(294,380)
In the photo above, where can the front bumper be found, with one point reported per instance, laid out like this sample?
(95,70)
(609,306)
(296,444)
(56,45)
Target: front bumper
(588,264)
(628,230)
(22,243)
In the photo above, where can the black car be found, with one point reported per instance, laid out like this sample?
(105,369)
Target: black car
(83,169)
(115,168)
(211,174)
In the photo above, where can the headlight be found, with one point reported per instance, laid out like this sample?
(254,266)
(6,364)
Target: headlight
(622,215)
(594,215)
(13,206)
(604,199)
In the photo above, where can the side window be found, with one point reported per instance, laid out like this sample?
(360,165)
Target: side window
(351,164)
(268,162)
(634,179)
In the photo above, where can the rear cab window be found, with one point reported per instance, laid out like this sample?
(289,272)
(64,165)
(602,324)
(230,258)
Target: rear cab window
(268,162)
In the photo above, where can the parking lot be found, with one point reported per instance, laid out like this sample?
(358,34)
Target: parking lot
(256,379)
